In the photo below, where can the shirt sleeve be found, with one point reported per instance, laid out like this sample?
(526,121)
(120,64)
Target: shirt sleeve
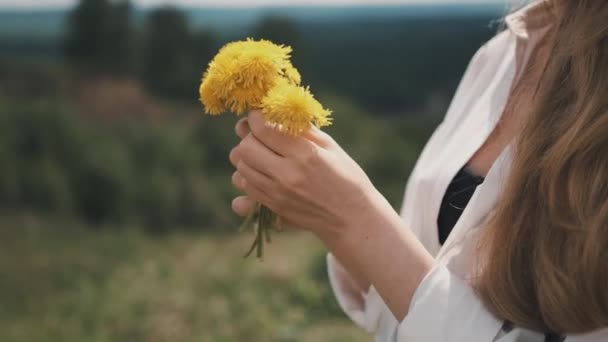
(364,307)
(600,335)
(445,308)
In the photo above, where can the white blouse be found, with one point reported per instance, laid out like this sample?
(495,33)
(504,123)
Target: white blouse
(444,307)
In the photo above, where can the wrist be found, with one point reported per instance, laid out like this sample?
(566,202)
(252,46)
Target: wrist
(357,236)
(379,249)
(365,215)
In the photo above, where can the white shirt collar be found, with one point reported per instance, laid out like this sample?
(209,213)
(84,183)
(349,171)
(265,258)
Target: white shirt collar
(534,18)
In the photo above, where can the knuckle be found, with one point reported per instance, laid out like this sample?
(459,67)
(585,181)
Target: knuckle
(309,157)
(245,142)
(260,128)
(262,131)
(313,157)
(242,168)
(237,180)
(247,189)
(294,180)
(246,146)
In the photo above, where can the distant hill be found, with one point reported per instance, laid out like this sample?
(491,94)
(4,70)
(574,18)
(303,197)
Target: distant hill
(230,21)
(39,22)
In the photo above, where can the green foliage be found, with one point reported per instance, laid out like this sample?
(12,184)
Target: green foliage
(9,180)
(325,304)
(43,187)
(54,161)
(164,174)
(26,81)
(101,181)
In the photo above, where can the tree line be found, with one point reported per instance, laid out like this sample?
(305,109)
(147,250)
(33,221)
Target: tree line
(165,52)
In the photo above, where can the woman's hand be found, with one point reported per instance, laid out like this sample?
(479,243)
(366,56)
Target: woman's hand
(308,181)
(312,184)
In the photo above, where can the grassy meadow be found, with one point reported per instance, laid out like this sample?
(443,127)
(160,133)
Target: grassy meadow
(60,281)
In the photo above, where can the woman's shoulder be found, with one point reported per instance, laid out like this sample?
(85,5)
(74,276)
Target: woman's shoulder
(491,52)
(486,72)
(488,57)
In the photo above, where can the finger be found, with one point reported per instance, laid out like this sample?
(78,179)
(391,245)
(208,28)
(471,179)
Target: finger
(279,142)
(317,136)
(257,179)
(238,181)
(234,156)
(256,194)
(242,128)
(258,156)
(243,205)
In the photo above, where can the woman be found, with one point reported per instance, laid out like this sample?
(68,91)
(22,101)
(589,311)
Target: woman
(503,233)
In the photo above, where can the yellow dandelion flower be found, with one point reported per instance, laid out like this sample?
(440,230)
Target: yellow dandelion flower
(212,101)
(292,109)
(259,74)
(242,73)
(293,75)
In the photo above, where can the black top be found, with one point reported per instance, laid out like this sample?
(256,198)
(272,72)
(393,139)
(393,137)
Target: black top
(456,198)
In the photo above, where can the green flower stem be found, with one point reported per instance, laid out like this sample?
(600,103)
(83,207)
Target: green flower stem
(261,220)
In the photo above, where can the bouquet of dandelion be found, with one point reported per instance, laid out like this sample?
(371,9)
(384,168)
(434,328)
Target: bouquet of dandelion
(249,75)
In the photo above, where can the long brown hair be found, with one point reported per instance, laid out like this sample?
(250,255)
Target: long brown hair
(545,253)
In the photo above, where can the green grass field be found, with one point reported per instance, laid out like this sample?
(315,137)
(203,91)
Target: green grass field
(63,282)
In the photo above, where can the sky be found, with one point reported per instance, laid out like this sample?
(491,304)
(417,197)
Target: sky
(237,3)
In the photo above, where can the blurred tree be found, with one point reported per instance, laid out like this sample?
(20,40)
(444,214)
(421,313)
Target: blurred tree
(170,66)
(205,46)
(122,35)
(99,35)
(280,30)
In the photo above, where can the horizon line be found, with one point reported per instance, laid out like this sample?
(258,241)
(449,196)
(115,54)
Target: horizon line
(270,6)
